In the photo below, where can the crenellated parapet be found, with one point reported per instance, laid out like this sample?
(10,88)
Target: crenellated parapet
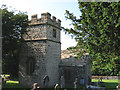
(46,18)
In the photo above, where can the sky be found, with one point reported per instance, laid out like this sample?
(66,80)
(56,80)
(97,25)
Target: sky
(54,7)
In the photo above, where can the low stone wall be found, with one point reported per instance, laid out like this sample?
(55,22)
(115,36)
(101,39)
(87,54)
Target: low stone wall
(105,77)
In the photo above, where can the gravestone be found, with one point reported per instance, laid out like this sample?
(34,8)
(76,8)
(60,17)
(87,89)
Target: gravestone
(0,82)
(56,86)
(82,81)
(101,79)
(75,84)
(62,82)
(46,81)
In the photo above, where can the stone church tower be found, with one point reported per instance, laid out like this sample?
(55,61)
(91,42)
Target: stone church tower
(41,52)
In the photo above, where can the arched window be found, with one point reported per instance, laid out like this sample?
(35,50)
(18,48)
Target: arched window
(30,65)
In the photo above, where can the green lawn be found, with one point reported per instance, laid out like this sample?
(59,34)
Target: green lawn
(11,84)
(104,80)
(109,84)
(6,75)
(14,82)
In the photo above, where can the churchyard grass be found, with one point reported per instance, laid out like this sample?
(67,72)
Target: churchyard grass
(110,84)
(11,84)
(7,75)
(104,80)
(15,82)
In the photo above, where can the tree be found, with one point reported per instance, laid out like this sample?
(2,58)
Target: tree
(13,27)
(97,31)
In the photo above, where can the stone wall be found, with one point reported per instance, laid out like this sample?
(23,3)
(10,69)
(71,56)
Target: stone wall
(53,59)
(42,28)
(105,77)
(45,19)
(38,52)
(49,33)
(75,72)
(79,68)
(40,44)
(88,74)
(35,32)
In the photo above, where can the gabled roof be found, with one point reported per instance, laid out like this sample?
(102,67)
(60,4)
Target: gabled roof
(69,53)
(68,59)
(66,54)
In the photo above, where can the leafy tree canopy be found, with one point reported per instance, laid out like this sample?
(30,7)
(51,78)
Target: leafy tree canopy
(13,26)
(97,31)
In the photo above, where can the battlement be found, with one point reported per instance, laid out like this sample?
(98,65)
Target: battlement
(45,18)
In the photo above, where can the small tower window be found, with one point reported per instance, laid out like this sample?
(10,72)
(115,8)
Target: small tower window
(54,33)
(30,65)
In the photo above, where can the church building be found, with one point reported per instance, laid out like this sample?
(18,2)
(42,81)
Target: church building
(40,57)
